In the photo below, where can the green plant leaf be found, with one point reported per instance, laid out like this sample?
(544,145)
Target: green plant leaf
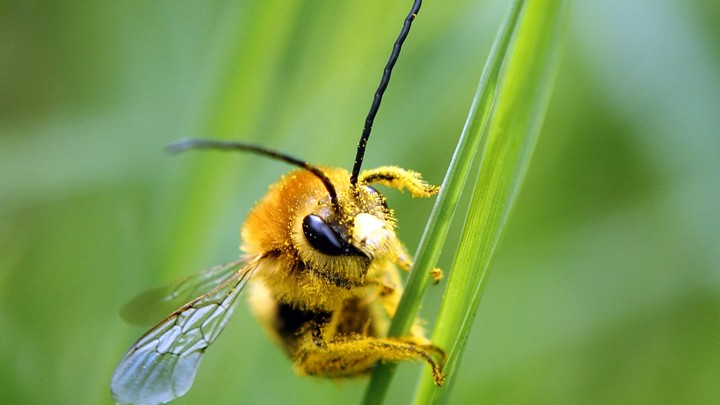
(523,94)
(444,209)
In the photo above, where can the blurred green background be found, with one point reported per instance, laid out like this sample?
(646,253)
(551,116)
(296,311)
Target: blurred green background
(606,287)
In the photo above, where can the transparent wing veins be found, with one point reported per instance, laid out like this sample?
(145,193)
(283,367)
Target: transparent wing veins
(147,307)
(162,364)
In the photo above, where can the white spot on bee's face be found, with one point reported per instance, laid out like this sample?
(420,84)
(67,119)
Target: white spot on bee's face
(371,233)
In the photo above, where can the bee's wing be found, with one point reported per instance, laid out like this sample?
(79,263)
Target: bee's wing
(161,365)
(146,308)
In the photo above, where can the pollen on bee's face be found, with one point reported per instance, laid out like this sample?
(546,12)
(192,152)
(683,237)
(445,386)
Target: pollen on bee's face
(371,232)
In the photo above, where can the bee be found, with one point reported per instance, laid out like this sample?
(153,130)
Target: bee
(321,260)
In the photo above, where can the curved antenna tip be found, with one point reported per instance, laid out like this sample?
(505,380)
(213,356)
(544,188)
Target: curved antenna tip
(180,146)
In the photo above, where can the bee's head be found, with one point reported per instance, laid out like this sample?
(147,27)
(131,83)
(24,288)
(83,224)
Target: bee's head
(346,238)
(338,224)
(361,225)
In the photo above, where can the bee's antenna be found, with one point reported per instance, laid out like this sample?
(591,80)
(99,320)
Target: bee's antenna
(191,143)
(381,89)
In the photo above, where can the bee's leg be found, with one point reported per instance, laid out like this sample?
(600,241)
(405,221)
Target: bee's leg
(398,178)
(388,293)
(437,274)
(404,261)
(349,357)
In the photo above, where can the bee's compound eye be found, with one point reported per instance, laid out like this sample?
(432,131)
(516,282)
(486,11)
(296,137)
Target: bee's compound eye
(321,236)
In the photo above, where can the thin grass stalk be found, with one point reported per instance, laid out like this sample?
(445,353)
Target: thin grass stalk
(441,216)
(523,95)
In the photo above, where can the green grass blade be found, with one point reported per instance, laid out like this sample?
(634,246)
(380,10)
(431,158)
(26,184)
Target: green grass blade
(524,92)
(439,223)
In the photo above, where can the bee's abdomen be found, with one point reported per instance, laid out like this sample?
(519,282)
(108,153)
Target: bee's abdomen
(354,319)
(292,323)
